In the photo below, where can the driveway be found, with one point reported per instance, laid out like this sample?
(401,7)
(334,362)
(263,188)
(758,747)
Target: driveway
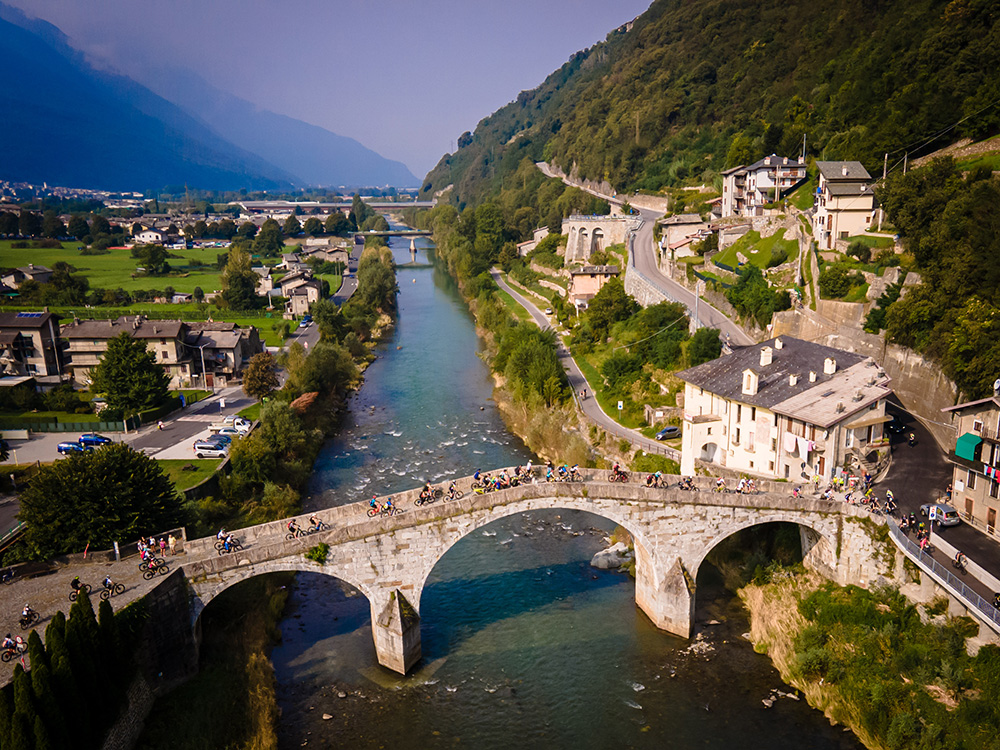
(578,382)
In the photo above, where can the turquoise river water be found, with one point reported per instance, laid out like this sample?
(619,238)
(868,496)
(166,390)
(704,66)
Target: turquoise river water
(525,645)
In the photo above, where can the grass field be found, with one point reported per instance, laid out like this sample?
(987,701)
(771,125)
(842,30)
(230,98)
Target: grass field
(805,194)
(872,241)
(514,306)
(203,469)
(757,251)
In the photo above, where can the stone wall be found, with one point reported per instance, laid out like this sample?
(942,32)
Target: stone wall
(126,730)
(918,383)
(642,290)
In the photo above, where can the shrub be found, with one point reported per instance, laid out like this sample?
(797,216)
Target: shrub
(860,250)
(319,553)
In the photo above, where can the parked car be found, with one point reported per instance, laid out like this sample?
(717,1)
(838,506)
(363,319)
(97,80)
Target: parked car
(896,426)
(307,318)
(208,449)
(72,446)
(231,431)
(224,440)
(240,423)
(670,431)
(93,440)
(944,514)
(548,310)
(304,323)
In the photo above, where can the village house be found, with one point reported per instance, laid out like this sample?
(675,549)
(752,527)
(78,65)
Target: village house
(845,202)
(746,190)
(523,248)
(783,409)
(302,296)
(17,276)
(221,350)
(587,282)
(294,280)
(265,282)
(30,346)
(679,233)
(150,236)
(87,340)
(976,460)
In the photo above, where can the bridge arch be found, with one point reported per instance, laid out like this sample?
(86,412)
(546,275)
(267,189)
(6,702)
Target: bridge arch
(207,591)
(588,505)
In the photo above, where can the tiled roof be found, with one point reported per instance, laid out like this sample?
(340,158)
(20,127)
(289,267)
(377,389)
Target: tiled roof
(137,327)
(834,170)
(26,319)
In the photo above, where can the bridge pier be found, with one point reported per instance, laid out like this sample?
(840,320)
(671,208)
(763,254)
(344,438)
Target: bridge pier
(396,630)
(669,603)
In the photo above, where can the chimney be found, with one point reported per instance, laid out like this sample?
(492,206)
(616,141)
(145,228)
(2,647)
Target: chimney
(778,343)
(812,376)
(31,266)
(829,366)
(784,160)
(843,169)
(793,380)
(750,382)
(766,356)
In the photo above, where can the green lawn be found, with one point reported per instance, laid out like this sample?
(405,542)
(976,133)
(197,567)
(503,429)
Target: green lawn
(805,194)
(608,404)
(252,412)
(48,416)
(757,251)
(514,306)
(203,469)
(872,241)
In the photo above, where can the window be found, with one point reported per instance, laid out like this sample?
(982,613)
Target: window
(739,412)
(165,354)
(994,489)
(753,413)
(971,481)
(774,446)
(977,425)
(770,465)
(737,440)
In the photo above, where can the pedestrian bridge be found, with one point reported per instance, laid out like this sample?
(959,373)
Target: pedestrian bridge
(389,559)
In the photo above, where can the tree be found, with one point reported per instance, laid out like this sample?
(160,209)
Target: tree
(269,241)
(128,376)
(313,227)
(199,294)
(153,258)
(337,224)
(52,225)
(608,306)
(112,494)
(704,346)
(99,225)
(260,378)
(239,280)
(247,230)
(29,224)
(292,226)
(8,222)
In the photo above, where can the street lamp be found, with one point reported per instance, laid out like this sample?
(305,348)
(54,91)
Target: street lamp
(204,374)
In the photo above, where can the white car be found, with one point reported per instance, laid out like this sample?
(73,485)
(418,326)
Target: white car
(230,431)
(240,423)
(206,449)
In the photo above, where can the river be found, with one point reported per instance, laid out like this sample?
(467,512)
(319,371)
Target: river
(525,645)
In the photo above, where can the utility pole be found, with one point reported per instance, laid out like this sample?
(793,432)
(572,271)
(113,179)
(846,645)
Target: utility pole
(906,156)
(803,157)
(885,165)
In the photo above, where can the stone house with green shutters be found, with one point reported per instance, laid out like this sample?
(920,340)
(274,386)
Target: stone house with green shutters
(976,461)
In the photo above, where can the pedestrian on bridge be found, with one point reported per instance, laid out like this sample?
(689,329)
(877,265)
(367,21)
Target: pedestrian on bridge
(172,543)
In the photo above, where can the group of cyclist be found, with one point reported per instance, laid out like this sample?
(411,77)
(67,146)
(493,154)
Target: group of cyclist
(315,524)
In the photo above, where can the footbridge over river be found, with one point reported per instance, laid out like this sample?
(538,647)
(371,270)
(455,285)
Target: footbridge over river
(388,559)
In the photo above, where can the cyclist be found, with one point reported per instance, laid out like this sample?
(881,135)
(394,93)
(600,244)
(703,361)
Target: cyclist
(388,508)
(227,544)
(75,584)
(574,471)
(27,611)
(959,559)
(475,477)
(720,485)
(221,535)
(8,642)
(616,469)
(293,528)
(373,503)
(426,493)
(316,523)
(548,473)
(452,490)
(108,583)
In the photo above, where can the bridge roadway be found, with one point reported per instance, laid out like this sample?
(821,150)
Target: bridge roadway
(389,559)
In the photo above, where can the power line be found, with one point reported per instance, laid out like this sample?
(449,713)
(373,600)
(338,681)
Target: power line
(909,146)
(633,343)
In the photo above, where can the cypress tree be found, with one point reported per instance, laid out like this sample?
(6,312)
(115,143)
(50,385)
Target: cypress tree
(86,696)
(23,700)
(21,735)
(36,650)
(56,628)
(111,645)
(6,714)
(42,741)
(50,713)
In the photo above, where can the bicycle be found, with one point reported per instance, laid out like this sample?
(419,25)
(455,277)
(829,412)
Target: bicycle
(76,592)
(619,476)
(161,569)
(456,495)
(426,499)
(144,565)
(233,547)
(7,576)
(222,543)
(117,589)
(13,653)
(295,534)
(31,619)
(313,528)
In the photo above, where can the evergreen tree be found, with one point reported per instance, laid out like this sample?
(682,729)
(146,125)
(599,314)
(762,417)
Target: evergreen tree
(6,716)
(23,699)
(49,711)
(239,281)
(36,650)
(22,735)
(111,645)
(42,741)
(128,376)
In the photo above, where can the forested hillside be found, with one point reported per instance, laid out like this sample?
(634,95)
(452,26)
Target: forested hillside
(698,85)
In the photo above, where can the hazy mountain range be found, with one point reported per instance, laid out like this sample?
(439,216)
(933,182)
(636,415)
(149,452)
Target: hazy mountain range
(64,122)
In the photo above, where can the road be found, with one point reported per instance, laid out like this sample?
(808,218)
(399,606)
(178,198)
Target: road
(644,253)
(578,382)
(920,474)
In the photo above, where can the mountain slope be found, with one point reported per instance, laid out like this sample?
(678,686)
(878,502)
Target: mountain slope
(316,155)
(696,86)
(66,123)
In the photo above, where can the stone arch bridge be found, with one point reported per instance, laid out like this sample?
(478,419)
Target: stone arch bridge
(389,559)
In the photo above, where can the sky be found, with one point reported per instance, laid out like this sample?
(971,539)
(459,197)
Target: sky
(403,77)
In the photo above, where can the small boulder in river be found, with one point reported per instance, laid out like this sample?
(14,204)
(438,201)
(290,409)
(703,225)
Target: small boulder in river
(612,557)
